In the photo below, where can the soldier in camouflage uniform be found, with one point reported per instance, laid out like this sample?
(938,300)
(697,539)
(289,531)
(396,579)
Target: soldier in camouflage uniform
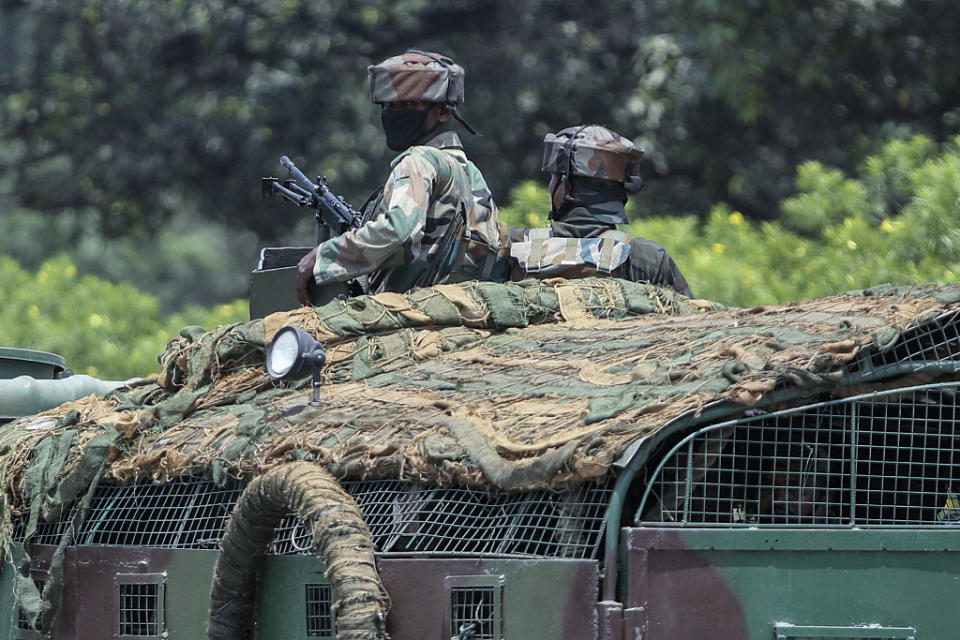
(434,219)
(593,169)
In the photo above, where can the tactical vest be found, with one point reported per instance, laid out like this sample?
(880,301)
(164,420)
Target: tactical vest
(542,255)
(472,247)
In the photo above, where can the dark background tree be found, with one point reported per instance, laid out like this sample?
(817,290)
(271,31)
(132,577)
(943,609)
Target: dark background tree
(133,133)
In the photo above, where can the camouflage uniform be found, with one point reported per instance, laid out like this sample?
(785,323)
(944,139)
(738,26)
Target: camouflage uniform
(434,220)
(582,239)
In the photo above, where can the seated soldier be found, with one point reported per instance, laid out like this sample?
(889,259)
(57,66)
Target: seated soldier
(592,170)
(434,220)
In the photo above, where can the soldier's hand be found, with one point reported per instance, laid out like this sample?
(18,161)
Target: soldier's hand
(305,279)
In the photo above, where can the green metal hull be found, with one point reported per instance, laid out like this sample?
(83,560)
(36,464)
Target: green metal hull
(739,584)
(546,599)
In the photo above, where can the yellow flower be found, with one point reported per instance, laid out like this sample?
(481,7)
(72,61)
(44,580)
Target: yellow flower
(886,226)
(95,320)
(851,244)
(34,311)
(718,248)
(71,271)
(736,218)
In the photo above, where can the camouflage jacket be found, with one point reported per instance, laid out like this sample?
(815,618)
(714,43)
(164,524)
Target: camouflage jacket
(576,251)
(435,222)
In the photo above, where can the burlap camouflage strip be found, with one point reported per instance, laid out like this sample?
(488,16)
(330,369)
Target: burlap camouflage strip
(533,384)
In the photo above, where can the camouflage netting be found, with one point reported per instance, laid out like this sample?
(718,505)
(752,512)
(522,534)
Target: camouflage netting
(515,386)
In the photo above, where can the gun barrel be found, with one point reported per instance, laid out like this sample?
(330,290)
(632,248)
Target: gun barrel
(316,195)
(297,174)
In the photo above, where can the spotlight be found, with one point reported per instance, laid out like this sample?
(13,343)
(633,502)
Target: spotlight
(290,352)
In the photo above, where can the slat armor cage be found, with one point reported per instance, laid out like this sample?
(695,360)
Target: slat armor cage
(405,519)
(881,459)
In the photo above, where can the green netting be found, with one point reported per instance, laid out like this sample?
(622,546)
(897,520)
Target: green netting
(530,384)
(516,386)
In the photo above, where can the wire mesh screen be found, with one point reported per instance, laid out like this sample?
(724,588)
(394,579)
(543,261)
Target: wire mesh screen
(407,519)
(178,515)
(139,611)
(404,519)
(473,612)
(46,533)
(186,515)
(934,340)
(319,611)
(887,459)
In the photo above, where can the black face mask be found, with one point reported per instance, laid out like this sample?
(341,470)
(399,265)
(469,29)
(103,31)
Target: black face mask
(404,127)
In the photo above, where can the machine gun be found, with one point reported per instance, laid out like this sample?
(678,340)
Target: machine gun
(334,216)
(273,284)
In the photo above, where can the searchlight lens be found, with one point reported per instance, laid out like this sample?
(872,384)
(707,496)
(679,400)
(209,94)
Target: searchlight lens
(283,353)
(294,353)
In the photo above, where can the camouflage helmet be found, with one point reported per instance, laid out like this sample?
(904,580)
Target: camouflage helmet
(592,151)
(416,75)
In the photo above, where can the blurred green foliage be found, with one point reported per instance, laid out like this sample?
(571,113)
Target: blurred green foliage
(185,261)
(808,147)
(126,124)
(107,330)
(837,234)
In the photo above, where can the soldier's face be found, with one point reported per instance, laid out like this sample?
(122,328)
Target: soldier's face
(438,111)
(407,105)
(558,190)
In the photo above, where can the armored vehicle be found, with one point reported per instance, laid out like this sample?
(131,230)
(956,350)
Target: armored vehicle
(591,459)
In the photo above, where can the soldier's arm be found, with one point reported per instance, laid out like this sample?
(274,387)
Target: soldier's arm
(650,261)
(406,198)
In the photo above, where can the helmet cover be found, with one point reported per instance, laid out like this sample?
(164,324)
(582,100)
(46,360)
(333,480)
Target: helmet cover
(416,75)
(591,151)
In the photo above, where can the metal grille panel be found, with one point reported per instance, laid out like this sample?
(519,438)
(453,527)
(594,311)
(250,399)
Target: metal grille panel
(139,611)
(879,459)
(934,340)
(404,519)
(411,519)
(175,515)
(473,612)
(319,611)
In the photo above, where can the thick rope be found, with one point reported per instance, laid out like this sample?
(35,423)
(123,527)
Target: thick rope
(341,540)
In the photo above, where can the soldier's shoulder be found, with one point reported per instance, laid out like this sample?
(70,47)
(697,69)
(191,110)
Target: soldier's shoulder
(644,244)
(422,156)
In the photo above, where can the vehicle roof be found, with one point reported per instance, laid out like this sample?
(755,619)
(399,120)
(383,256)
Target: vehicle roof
(506,386)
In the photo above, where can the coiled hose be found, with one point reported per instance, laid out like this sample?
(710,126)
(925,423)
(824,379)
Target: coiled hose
(341,540)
